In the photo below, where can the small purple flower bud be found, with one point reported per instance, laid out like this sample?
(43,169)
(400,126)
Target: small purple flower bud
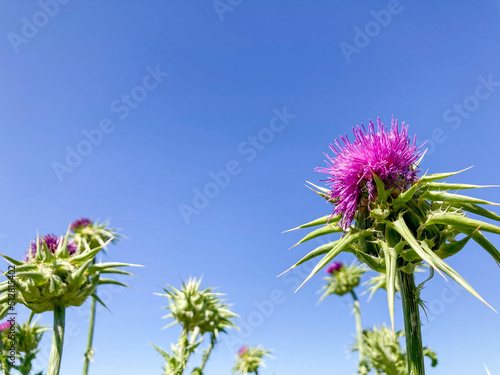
(4,326)
(80,223)
(334,267)
(242,350)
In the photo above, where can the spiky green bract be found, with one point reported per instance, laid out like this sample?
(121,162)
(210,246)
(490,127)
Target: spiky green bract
(198,312)
(250,360)
(54,279)
(383,353)
(399,230)
(92,234)
(343,281)
(193,307)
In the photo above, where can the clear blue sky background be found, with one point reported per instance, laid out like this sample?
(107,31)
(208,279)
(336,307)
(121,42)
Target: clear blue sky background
(226,76)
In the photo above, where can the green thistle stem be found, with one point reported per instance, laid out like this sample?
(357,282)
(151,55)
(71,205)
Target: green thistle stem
(207,352)
(414,350)
(88,352)
(359,327)
(5,367)
(57,340)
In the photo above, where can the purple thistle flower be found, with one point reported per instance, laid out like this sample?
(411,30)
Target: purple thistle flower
(52,242)
(80,223)
(390,155)
(4,326)
(242,350)
(334,267)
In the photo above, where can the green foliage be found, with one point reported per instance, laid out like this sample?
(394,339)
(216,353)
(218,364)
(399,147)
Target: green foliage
(198,312)
(404,229)
(48,279)
(27,337)
(383,353)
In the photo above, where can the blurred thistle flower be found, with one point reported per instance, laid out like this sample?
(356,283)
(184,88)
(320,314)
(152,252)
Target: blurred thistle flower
(383,352)
(250,360)
(242,350)
(80,224)
(335,266)
(343,279)
(388,154)
(27,337)
(192,307)
(197,311)
(90,234)
(4,326)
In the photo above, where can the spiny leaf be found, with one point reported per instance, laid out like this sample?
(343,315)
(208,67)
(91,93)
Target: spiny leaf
(400,226)
(454,198)
(463,222)
(320,250)
(96,297)
(342,245)
(405,196)
(440,176)
(447,186)
(454,274)
(327,229)
(103,281)
(328,219)
(12,260)
(474,209)
(486,245)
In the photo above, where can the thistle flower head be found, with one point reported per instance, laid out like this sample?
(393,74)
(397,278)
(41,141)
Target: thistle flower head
(89,234)
(334,267)
(389,154)
(249,359)
(56,272)
(80,224)
(193,307)
(51,241)
(242,350)
(343,280)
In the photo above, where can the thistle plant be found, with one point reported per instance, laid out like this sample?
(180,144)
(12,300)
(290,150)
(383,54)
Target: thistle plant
(393,220)
(26,337)
(383,352)
(250,359)
(343,279)
(92,234)
(56,273)
(198,312)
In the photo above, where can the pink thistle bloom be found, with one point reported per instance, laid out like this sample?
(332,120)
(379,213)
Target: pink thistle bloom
(334,267)
(242,350)
(80,223)
(4,326)
(391,155)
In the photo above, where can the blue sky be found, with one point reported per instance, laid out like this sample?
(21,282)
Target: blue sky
(126,110)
